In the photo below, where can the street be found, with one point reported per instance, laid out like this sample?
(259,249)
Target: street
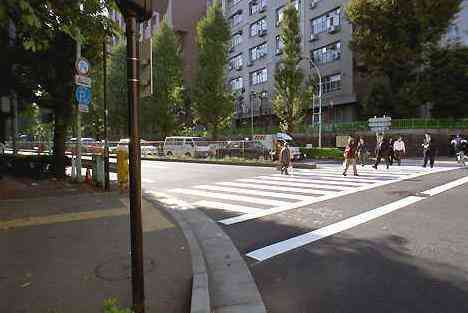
(315,241)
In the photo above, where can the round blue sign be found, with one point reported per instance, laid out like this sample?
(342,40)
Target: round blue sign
(83,95)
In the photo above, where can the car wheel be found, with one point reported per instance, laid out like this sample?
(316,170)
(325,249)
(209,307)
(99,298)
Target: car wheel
(188,155)
(169,154)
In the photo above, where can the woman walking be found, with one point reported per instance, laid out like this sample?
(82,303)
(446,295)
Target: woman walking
(350,157)
(429,150)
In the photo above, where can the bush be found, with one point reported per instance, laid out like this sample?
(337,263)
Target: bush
(112,306)
(322,153)
(35,166)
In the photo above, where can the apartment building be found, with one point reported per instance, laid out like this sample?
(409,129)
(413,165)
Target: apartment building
(458,30)
(256,48)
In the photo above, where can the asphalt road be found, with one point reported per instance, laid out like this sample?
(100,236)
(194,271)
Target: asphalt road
(316,241)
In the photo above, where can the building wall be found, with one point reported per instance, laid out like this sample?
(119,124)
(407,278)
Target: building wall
(458,31)
(341,101)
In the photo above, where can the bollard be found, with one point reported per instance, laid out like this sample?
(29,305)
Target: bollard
(122,168)
(99,170)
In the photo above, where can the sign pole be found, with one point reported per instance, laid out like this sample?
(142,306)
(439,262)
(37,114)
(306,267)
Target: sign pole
(136,232)
(78,125)
(106,115)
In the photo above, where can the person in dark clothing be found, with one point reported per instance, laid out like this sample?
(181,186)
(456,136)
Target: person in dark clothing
(391,152)
(362,152)
(382,151)
(429,150)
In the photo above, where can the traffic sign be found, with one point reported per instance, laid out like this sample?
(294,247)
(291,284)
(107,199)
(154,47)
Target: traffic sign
(82,80)
(380,124)
(83,108)
(83,95)
(82,66)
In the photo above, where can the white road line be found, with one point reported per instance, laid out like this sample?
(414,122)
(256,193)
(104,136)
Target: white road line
(316,181)
(251,216)
(226,206)
(275,188)
(377,173)
(285,183)
(224,196)
(445,187)
(148,181)
(341,178)
(253,192)
(299,241)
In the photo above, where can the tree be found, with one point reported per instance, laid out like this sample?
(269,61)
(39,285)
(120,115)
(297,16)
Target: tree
(292,94)
(378,100)
(45,51)
(390,37)
(117,92)
(445,81)
(159,111)
(213,104)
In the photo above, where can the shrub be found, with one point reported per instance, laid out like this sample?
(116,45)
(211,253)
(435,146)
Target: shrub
(322,153)
(35,166)
(112,306)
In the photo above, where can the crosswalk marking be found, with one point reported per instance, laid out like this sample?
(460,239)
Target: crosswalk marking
(334,178)
(226,206)
(304,185)
(368,173)
(253,192)
(276,188)
(316,181)
(231,197)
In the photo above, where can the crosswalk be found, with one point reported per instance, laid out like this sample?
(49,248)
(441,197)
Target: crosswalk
(259,196)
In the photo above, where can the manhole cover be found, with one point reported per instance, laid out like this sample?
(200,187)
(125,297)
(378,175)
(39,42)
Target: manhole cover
(119,268)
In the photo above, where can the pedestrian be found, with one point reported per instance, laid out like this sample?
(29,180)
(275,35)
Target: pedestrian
(399,150)
(350,157)
(391,152)
(2,153)
(362,152)
(382,151)
(428,150)
(459,146)
(285,159)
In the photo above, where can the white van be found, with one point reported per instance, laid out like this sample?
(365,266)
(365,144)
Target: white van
(195,147)
(274,143)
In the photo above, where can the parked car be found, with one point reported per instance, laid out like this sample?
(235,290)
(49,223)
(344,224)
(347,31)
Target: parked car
(196,147)
(244,149)
(88,145)
(146,147)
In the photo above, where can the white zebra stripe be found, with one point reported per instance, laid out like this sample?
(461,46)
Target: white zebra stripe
(275,188)
(253,192)
(226,206)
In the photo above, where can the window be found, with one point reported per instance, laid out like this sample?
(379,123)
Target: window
(258,77)
(279,45)
(327,54)
(233,2)
(236,19)
(236,83)
(236,40)
(324,22)
(280,11)
(235,62)
(331,83)
(258,52)
(256,6)
(257,27)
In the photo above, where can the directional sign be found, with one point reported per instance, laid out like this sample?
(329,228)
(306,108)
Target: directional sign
(82,66)
(82,80)
(83,108)
(83,95)
(380,124)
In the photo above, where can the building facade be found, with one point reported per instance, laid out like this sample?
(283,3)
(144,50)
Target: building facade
(458,30)
(256,49)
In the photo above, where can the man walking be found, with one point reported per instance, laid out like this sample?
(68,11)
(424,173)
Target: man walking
(382,151)
(350,157)
(429,150)
(285,159)
(399,149)
(362,152)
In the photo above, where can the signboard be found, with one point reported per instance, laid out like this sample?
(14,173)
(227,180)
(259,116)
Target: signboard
(380,124)
(82,66)
(83,95)
(82,80)
(83,108)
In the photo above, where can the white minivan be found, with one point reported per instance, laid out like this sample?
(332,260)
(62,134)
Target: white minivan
(195,147)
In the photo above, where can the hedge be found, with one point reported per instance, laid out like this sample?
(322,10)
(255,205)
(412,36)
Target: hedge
(322,153)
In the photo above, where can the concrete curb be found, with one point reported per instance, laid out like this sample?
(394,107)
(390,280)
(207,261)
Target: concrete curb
(222,282)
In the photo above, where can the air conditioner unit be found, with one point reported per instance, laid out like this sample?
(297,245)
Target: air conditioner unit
(313,5)
(250,64)
(262,32)
(333,29)
(337,55)
(313,37)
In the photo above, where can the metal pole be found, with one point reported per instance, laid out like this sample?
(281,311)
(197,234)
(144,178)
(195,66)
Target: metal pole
(14,123)
(78,125)
(136,232)
(320,101)
(251,113)
(106,115)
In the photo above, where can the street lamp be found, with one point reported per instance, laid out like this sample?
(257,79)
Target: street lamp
(253,96)
(312,64)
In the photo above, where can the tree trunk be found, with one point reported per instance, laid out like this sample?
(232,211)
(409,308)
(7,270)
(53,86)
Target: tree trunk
(60,131)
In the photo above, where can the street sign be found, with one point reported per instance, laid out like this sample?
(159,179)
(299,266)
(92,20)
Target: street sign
(380,124)
(83,95)
(82,66)
(83,108)
(82,80)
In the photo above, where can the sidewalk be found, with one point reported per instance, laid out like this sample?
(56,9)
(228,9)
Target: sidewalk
(65,249)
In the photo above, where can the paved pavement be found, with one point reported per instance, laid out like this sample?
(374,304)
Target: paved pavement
(70,252)
(386,241)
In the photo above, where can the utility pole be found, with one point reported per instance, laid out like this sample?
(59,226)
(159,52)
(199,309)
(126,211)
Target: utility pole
(78,125)
(133,67)
(253,97)
(312,64)
(106,115)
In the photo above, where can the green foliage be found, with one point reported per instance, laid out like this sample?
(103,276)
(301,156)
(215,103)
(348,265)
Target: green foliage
(213,103)
(159,111)
(322,153)
(34,125)
(117,91)
(93,121)
(112,306)
(392,37)
(378,100)
(292,94)
(445,81)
